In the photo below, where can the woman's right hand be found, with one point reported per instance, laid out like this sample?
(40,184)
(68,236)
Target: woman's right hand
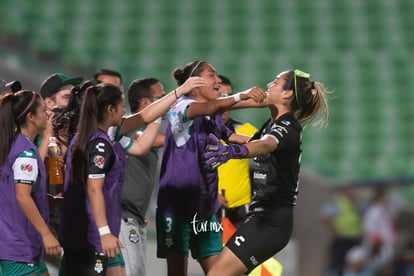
(255,93)
(189,85)
(110,245)
(51,244)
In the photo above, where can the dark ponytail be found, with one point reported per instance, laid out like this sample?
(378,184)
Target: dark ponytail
(13,111)
(93,111)
(309,98)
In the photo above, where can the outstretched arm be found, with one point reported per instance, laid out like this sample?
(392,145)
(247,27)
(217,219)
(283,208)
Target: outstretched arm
(159,107)
(253,97)
(218,153)
(145,141)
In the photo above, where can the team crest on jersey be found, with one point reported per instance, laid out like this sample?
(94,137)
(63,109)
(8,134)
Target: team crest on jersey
(98,266)
(26,167)
(168,241)
(99,161)
(133,236)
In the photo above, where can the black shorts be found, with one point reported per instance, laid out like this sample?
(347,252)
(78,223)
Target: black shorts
(262,235)
(83,263)
(237,215)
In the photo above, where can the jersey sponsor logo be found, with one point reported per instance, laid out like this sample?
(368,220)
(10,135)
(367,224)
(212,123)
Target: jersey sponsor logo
(253,260)
(257,175)
(100,147)
(99,161)
(239,240)
(205,225)
(26,167)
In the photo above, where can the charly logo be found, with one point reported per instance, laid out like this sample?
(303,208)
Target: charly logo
(205,225)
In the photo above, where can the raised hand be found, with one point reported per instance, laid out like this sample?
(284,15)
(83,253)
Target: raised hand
(255,93)
(190,84)
(218,153)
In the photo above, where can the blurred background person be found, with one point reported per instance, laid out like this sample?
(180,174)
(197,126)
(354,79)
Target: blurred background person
(109,76)
(9,87)
(360,261)
(380,227)
(234,175)
(343,219)
(55,90)
(139,182)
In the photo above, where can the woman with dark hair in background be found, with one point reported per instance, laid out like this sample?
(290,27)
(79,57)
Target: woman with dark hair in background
(24,232)
(187,196)
(91,214)
(293,99)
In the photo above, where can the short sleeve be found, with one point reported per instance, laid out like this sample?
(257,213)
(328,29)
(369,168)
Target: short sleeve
(281,132)
(100,158)
(25,168)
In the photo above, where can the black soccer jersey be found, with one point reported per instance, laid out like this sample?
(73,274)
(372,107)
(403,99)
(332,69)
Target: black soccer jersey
(275,175)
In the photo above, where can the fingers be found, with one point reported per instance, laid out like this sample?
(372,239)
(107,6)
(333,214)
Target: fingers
(120,244)
(212,163)
(212,147)
(109,253)
(257,94)
(191,83)
(212,139)
(53,250)
(113,249)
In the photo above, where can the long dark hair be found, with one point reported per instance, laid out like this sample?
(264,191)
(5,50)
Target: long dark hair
(93,111)
(13,111)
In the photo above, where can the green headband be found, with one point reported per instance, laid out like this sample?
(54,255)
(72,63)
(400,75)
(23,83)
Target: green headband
(299,73)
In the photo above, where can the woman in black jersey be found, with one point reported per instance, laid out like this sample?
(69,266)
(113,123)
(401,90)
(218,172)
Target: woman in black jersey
(293,99)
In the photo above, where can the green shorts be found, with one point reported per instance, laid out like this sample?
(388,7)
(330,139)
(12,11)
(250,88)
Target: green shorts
(118,260)
(22,269)
(177,237)
(87,263)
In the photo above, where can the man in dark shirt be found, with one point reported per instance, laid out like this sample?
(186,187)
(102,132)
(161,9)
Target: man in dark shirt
(139,182)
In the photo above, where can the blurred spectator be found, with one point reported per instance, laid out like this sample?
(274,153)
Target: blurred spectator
(360,262)
(9,87)
(343,219)
(139,181)
(109,76)
(379,230)
(56,89)
(234,176)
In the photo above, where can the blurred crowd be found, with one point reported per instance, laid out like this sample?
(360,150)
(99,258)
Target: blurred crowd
(371,232)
